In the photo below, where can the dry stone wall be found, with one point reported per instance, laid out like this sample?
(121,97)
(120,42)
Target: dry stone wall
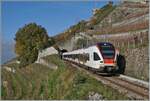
(137,63)
(46,52)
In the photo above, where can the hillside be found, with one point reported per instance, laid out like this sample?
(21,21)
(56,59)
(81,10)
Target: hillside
(110,19)
(40,82)
(125,25)
(83,25)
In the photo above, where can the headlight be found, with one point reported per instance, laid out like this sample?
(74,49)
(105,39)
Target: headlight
(101,61)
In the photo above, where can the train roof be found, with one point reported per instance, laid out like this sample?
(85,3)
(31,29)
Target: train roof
(82,49)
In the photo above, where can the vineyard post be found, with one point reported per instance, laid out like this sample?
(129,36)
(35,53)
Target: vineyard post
(141,39)
(128,44)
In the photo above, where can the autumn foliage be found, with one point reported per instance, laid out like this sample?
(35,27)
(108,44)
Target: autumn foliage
(29,40)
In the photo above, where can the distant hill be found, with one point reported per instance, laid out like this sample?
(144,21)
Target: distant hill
(7,52)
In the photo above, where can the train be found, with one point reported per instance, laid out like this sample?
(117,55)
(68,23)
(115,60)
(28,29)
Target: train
(101,57)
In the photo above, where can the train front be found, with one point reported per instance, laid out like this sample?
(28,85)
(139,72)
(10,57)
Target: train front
(109,55)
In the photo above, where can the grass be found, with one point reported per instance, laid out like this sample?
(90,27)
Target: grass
(83,84)
(40,82)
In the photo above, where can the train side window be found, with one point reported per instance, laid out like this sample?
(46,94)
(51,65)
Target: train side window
(96,57)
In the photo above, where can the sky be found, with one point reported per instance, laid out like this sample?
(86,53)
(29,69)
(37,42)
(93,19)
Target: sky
(54,16)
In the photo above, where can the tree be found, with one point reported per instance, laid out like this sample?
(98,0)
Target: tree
(51,41)
(29,40)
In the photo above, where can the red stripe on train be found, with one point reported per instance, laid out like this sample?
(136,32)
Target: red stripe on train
(109,61)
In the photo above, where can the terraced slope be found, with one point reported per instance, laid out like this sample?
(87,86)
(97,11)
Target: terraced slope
(126,27)
(39,82)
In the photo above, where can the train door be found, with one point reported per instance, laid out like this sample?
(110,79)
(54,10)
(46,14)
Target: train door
(95,60)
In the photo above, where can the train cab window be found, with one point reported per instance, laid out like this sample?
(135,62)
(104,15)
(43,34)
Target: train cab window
(96,57)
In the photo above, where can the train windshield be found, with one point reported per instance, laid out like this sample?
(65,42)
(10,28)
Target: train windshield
(107,50)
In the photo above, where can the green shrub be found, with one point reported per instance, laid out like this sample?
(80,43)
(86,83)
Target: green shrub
(29,40)
(80,79)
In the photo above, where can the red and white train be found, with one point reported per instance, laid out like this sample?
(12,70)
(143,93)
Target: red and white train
(101,57)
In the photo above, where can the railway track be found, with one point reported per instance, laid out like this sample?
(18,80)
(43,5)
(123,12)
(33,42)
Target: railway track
(134,90)
(131,89)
